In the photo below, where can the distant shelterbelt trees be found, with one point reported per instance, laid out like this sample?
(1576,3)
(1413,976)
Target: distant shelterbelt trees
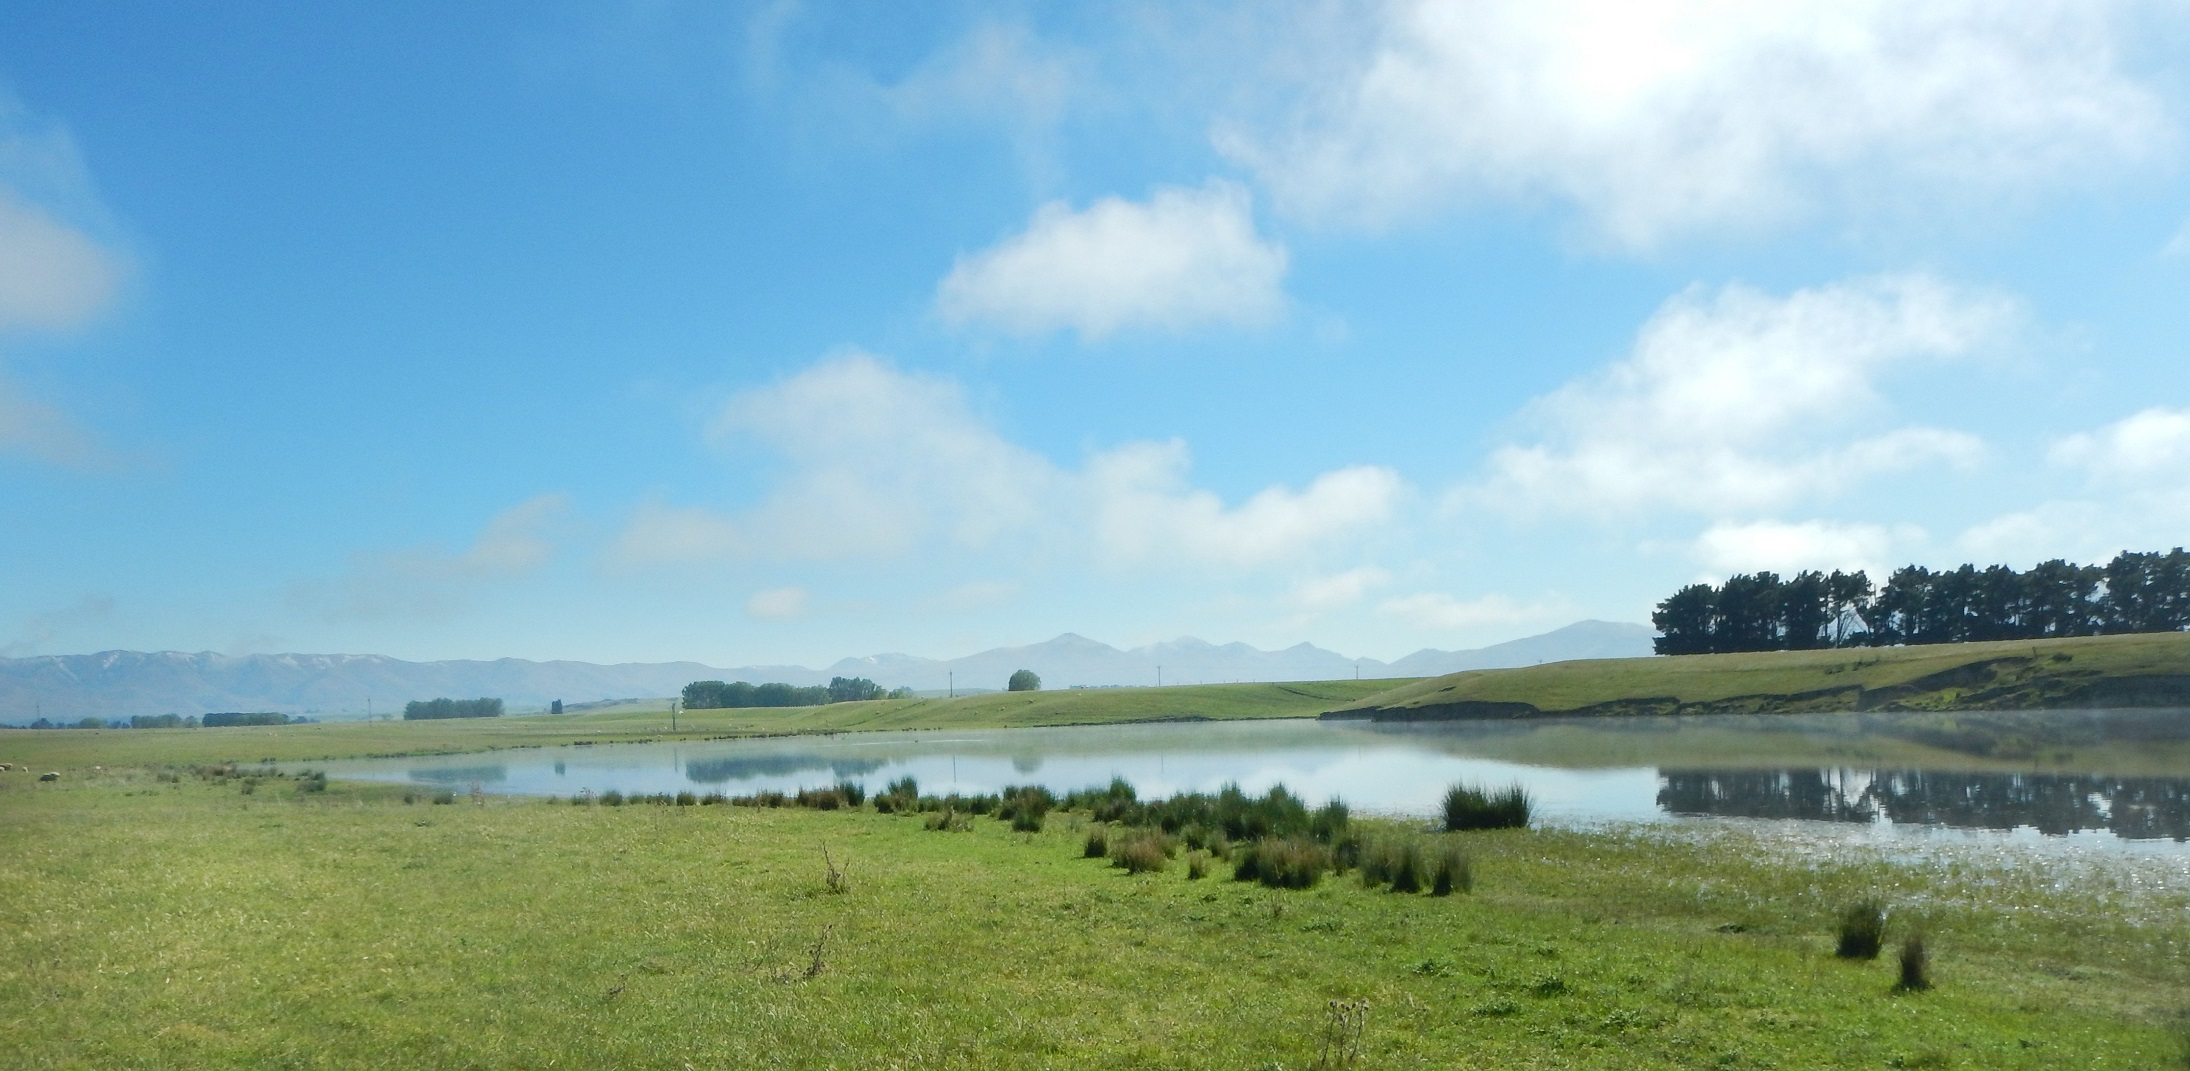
(237,717)
(716,695)
(2136,592)
(436,709)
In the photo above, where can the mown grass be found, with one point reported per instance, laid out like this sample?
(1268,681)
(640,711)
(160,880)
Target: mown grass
(82,748)
(1579,684)
(183,924)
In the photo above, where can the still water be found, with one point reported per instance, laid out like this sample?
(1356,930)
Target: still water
(2121,777)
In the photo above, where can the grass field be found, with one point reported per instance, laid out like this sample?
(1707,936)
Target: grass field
(66,749)
(153,924)
(2085,671)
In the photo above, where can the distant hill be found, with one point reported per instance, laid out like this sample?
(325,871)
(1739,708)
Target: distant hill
(2149,670)
(115,684)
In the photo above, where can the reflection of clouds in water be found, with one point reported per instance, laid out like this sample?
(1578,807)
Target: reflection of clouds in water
(747,768)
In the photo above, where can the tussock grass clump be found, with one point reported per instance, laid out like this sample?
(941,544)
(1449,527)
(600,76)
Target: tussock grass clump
(713,799)
(1281,862)
(612,798)
(1024,806)
(1098,842)
(820,799)
(1862,930)
(1471,807)
(1197,865)
(687,799)
(1915,964)
(900,796)
(312,781)
(1142,852)
(1452,871)
(948,821)
(445,796)
(1393,861)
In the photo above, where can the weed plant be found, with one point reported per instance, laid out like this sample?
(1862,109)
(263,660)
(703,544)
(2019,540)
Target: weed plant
(1098,842)
(1862,930)
(1471,807)
(1915,964)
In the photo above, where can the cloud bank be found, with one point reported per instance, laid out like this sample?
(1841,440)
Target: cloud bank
(1657,120)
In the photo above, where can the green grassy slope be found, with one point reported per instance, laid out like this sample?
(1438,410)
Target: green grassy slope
(79,748)
(2137,670)
(154,925)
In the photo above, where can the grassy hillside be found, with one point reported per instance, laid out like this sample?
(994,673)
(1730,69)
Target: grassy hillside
(2143,670)
(77,748)
(183,924)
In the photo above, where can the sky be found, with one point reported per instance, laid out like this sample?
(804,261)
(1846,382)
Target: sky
(780,332)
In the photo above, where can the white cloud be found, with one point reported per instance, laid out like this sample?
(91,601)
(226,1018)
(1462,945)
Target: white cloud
(1735,400)
(2137,495)
(882,464)
(1145,510)
(1339,590)
(1436,610)
(1658,119)
(777,604)
(432,583)
(1788,548)
(2151,445)
(52,276)
(1185,258)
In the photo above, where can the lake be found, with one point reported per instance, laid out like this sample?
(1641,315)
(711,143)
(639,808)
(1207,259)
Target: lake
(2119,776)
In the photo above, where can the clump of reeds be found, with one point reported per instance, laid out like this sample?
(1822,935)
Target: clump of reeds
(445,796)
(687,799)
(1915,963)
(1281,862)
(1098,842)
(713,799)
(1471,807)
(1862,930)
(1024,806)
(900,796)
(1141,852)
(947,821)
(1451,871)
(611,798)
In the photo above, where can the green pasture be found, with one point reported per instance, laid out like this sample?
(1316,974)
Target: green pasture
(82,748)
(1583,684)
(155,923)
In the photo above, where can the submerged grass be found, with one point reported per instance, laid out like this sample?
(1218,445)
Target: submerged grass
(183,924)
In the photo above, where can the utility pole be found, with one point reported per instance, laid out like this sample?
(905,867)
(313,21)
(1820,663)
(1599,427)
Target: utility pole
(1159,676)
(952,678)
(673,705)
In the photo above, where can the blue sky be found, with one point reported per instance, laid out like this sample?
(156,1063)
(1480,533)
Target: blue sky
(781,332)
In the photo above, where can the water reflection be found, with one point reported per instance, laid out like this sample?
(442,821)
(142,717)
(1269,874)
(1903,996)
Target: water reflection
(755,767)
(2134,808)
(2121,773)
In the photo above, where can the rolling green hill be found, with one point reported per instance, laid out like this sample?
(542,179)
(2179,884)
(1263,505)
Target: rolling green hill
(2097,671)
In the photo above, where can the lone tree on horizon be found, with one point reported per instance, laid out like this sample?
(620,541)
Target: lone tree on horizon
(1024,680)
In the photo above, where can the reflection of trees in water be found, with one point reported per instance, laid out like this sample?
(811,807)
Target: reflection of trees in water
(2132,807)
(461,775)
(746,768)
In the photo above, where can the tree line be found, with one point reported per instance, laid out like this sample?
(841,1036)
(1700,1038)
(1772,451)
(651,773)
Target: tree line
(717,695)
(2136,592)
(173,721)
(437,709)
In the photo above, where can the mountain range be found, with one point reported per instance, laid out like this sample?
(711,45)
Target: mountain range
(114,684)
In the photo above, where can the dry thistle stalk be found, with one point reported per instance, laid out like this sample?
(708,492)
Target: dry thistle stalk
(1343,1024)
